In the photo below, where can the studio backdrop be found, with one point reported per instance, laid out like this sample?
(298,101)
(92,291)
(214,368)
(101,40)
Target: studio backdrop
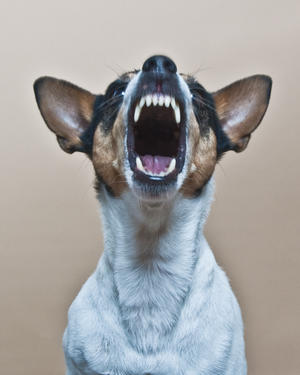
(50,230)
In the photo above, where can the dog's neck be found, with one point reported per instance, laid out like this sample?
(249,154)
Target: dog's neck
(152,250)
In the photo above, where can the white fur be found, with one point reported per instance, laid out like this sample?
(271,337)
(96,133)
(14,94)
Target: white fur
(157,303)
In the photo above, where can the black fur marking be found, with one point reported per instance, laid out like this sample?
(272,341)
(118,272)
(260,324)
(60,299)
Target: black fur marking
(205,113)
(87,137)
(107,110)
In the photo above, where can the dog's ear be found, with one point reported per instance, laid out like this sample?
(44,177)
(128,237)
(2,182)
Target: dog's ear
(241,107)
(66,109)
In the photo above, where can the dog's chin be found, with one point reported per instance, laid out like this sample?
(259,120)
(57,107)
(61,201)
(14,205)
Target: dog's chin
(154,189)
(154,192)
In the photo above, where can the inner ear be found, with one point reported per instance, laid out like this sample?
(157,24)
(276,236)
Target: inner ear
(241,107)
(67,110)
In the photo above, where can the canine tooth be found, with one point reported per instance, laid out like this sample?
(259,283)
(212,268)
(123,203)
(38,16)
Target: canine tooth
(142,102)
(161,100)
(177,114)
(137,113)
(171,167)
(139,164)
(167,101)
(148,100)
(154,100)
(173,103)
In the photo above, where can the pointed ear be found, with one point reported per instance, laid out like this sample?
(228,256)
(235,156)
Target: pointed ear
(66,109)
(241,107)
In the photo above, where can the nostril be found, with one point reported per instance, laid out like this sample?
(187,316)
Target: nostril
(160,64)
(150,65)
(170,66)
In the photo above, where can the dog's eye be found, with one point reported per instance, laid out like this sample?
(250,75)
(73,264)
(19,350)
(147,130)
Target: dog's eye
(119,91)
(116,89)
(195,94)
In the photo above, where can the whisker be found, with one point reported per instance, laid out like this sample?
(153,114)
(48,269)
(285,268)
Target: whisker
(198,70)
(205,103)
(113,70)
(108,102)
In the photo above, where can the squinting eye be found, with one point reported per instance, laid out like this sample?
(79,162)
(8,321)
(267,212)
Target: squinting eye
(119,91)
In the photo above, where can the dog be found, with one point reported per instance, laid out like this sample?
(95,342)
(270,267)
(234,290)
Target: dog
(158,303)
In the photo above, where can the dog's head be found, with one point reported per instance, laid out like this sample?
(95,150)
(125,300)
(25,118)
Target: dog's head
(154,131)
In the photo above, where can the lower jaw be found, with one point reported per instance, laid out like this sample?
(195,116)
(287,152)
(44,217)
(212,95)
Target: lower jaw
(154,190)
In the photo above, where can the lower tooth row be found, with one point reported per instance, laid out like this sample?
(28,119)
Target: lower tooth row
(170,168)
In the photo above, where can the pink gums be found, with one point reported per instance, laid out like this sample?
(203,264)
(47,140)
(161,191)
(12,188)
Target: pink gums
(155,164)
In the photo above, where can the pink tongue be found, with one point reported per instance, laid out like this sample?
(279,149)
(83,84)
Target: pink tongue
(155,164)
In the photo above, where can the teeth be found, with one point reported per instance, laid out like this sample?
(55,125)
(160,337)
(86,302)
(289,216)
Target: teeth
(177,113)
(173,103)
(139,164)
(171,167)
(142,102)
(161,100)
(148,100)
(137,113)
(167,101)
(155,100)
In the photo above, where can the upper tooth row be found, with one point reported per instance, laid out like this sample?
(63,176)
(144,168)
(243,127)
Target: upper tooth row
(155,99)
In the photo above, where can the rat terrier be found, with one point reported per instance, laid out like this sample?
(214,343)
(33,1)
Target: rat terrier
(158,303)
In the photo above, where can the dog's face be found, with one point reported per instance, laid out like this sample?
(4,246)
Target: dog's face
(154,131)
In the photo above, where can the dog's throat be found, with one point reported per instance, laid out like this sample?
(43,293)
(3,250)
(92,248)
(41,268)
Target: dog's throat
(152,254)
(147,254)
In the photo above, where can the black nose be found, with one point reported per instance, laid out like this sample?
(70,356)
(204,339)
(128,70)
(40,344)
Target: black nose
(159,64)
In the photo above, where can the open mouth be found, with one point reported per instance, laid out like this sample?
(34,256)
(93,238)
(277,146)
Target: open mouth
(156,137)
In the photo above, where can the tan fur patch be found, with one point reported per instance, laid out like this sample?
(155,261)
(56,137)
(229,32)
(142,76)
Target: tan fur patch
(86,104)
(108,156)
(203,158)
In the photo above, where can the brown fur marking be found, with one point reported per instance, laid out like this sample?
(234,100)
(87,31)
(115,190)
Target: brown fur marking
(202,160)
(108,156)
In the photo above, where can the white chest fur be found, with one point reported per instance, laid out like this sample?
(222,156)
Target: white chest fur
(157,303)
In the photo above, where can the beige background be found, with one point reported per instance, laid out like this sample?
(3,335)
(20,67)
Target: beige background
(49,225)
